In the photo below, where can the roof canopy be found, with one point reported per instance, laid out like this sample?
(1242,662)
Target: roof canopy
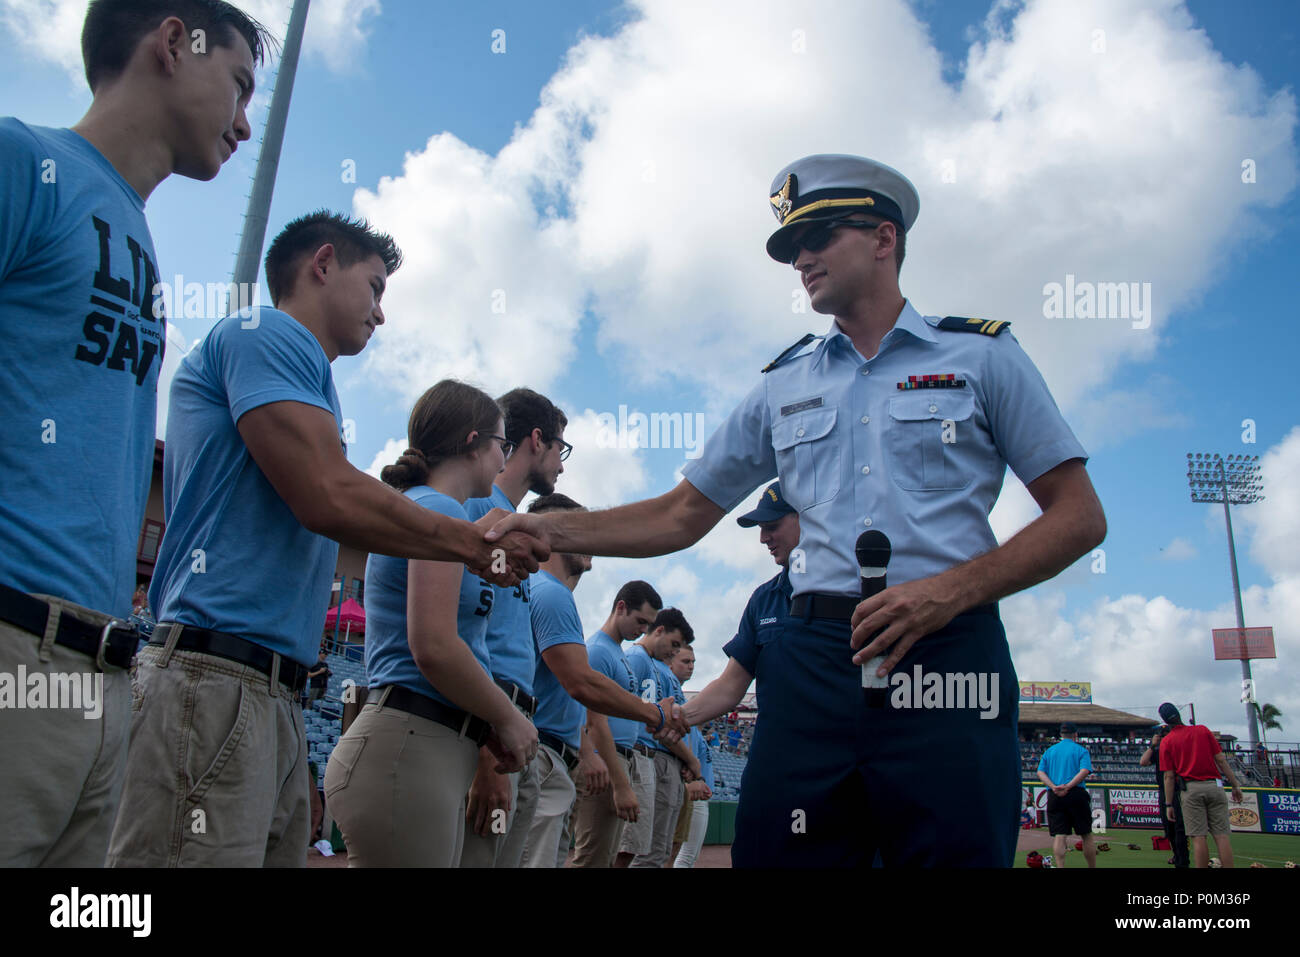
(354,616)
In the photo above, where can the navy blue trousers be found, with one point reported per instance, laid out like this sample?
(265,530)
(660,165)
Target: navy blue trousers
(832,782)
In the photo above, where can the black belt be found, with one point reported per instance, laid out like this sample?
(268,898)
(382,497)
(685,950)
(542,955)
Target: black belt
(567,753)
(626,752)
(841,608)
(422,706)
(518,697)
(650,752)
(233,648)
(113,643)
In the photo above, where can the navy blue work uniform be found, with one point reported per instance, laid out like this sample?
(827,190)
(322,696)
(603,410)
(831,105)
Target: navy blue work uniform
(913,441)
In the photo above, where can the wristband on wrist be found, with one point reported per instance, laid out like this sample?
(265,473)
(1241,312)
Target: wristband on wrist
(662,719)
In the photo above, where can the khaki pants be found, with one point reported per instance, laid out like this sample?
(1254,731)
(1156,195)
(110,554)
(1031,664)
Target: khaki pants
(670,791)
(217,768)
(530,790)
(690,851)
(638,835)
(597,828)
(479,851)
(63,761)
(396,784)
(556,793)
(1205,809)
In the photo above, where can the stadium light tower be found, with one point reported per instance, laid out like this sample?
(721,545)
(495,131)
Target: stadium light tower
(1232,481)
(248,260)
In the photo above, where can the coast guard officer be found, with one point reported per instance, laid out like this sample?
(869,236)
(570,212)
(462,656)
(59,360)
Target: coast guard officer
(905,424)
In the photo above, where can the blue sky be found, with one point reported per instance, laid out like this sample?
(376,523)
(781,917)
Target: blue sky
(607,176)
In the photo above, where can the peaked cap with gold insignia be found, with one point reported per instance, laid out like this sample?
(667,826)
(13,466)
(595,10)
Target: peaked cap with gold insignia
(831,185)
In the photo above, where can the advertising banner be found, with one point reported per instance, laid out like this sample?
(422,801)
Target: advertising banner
(1280,811)
(1135,807)
(1056,692)
(1245,816)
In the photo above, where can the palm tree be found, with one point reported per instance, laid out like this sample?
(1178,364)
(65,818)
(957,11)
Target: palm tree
(1267,715)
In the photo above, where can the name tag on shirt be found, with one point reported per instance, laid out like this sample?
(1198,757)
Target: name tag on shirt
(803,406)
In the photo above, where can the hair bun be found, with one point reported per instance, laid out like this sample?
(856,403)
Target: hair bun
(416,454)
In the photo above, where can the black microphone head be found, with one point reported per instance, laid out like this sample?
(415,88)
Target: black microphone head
(873,549)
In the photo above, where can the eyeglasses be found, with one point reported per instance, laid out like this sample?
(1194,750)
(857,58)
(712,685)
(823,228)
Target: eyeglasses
(817,238)
(506,445)
(565,449)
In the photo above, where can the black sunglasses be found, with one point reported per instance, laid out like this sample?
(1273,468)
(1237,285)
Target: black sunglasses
(817,238)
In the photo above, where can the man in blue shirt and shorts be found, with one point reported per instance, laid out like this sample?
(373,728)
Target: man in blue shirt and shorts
(1062,768)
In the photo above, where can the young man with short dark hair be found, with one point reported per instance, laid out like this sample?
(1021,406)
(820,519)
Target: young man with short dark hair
(599,819)
(499,808)
(257,487)
(83,336)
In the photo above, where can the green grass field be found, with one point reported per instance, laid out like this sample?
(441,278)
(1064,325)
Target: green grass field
(1271,850)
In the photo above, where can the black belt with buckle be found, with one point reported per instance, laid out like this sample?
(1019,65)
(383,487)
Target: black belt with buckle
(649,752)
(422,706)
(233,648)
(841,608)
(567,753)
(518,697)
(626,752)
(113,643)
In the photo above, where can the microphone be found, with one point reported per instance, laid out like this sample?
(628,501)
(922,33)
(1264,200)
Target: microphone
(873,550)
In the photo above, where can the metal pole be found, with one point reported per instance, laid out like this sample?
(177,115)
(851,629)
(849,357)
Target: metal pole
(1241,618)
(248,260)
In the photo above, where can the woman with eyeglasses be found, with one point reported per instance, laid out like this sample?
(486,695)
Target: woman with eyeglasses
(397,780)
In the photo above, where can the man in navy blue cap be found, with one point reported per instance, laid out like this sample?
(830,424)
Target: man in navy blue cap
(900,423)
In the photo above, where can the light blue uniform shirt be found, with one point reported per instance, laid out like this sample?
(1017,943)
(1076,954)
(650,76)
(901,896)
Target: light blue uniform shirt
(605,655)
(854,452)
(1063,760)
(701,751)
(388,653)
(234,557)
(80,349)
(555,622)
(652,678)
(509,629)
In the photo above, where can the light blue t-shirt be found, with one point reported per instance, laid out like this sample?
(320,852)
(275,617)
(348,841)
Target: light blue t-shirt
(234,557)
(1063,760)
(856,452)
(388,654)
(80,348)
(555,622)
(605,655)
(509,630)
(701,751)
(649,681)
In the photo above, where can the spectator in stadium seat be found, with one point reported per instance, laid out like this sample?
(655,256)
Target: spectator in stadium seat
(647,841)
(1174,829)
(565,684)
(494,805)
(397,779)
(1192,762)
(599,819)
(258,487)
(1063,768)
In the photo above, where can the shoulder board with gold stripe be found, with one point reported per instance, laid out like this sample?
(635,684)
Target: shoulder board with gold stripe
(989,327)
(789,353)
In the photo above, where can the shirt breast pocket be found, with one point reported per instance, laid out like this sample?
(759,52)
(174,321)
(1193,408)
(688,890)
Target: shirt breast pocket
(925,435)
(807,457)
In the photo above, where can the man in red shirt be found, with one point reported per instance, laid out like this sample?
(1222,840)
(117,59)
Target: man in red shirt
(1192,762)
